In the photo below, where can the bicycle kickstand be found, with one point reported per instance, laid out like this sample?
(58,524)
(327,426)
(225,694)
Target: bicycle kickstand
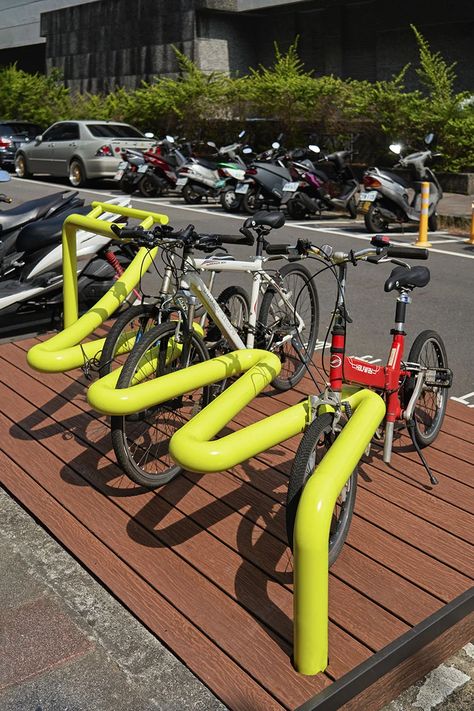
(411,430)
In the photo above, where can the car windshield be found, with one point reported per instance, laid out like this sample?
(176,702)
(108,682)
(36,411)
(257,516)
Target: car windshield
(113,130)
(19,129)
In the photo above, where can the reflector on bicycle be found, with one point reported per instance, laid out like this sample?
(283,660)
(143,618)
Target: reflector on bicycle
(380,241)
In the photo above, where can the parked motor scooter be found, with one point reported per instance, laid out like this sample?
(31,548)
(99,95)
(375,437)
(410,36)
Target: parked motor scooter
(31,298)
(389,197)
(199,177)
(162,169)
(264,180)
(314,190)
(40,210)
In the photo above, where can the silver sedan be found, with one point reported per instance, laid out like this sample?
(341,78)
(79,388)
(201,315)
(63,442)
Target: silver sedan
(79,150)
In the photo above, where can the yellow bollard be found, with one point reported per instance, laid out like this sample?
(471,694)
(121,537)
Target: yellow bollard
(425,204)
(471,238)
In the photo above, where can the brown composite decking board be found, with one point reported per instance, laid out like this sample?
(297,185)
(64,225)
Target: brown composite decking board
(208,551)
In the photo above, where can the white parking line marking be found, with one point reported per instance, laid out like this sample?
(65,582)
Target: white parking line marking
(464,399)
(335,231)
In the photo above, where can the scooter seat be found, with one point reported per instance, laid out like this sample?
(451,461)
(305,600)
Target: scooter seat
(38,235)
(210,164)
(405,278)
(266,219)
(397,178)
(20,215)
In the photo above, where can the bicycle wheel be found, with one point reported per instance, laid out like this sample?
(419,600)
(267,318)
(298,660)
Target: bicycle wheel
(428,351)
(279,330)
(235,303)
(315,442)
(141,440)
(129,327)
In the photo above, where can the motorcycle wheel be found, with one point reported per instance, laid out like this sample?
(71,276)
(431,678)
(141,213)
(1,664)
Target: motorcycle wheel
(126,186)
(251,201)
(374,222)
(190,195)
(229,200)
(433,222)
(295,210)
(148,187)
(352,208)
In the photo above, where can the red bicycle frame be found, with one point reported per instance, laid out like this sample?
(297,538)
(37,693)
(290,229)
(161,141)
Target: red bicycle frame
(351,370)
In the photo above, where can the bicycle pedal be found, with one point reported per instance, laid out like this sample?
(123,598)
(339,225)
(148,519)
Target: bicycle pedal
(439,377)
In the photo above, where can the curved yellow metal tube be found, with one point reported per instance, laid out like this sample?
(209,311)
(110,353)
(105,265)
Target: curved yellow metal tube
(193,445)
(64,351)
(311,534)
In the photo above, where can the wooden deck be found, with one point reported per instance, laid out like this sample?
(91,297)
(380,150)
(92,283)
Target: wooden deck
(203,562)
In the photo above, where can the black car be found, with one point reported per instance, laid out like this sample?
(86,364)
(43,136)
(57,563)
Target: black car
(12,134)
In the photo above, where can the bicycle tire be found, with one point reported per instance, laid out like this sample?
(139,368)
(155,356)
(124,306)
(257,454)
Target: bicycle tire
(137,318)
(305,461)
(235,303)
(276,321)
(428,350)
(140,441)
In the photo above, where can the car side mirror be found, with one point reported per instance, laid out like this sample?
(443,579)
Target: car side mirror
(38,139)
(148,134)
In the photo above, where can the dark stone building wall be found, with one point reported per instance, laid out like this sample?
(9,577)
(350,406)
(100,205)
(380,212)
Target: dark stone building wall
(121,42)
(101,45)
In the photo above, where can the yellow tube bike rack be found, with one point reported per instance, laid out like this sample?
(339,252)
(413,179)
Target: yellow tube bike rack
(64,351)
(194,443)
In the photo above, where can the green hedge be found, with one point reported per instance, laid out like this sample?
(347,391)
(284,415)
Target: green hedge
(284,97)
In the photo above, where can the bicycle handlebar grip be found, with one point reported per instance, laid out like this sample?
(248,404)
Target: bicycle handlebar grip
(408,252)
(188,233)
(127,232)
(277,248)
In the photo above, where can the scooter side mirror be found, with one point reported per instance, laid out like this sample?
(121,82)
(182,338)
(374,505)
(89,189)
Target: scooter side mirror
(170,139)
(4,176)
(247,150)
(314,148)
(429,138)
(242,134)
(395,148)
(212,144)
(275,145)
(148,134)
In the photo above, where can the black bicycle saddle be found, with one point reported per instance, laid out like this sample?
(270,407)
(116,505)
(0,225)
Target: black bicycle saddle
(266,219)
(404,278)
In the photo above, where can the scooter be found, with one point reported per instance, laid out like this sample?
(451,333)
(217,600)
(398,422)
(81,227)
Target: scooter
(264,180)
(33,211)
(152,172)
(31,292)
(391,198)
(199,177)
(314,190)
(162,166)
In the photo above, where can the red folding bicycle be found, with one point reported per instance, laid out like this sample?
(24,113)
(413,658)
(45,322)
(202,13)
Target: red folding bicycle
(415,389)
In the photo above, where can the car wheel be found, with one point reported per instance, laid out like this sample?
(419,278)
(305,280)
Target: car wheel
(21,167)
(77,173)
